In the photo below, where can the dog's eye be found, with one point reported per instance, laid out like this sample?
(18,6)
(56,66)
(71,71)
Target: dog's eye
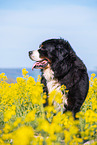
(41,50)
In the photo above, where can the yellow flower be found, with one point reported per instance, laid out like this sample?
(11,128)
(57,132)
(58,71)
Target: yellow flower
(18,120)
(24,73)
(30,116)
(25,121)
(93,75)
(20,80)
(23,136)
(0,131)
(43,125)
(67,136)
(8,114)
(1,142)
(38,140)
(6,136)
(7,128)
(55,96)
(3,77)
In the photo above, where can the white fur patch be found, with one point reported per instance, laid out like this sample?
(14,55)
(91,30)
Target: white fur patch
(35,56)
(53,84)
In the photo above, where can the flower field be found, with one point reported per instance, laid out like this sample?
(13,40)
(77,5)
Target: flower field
(24,120)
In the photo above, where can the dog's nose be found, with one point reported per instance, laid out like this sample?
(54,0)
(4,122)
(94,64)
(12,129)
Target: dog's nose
(30,52)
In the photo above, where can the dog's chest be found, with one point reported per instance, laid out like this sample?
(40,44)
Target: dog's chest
(52,83)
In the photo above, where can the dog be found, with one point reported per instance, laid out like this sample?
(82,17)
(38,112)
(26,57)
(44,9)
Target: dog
(60,65)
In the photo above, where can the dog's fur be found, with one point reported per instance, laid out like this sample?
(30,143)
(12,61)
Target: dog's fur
(61,66)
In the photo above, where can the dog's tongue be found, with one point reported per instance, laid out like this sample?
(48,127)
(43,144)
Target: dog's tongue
(40,64)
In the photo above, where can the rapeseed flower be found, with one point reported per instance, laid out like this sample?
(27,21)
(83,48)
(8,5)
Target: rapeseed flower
(24,120)
(23,135)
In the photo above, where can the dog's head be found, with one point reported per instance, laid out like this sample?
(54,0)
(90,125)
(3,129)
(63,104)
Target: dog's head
(56,53)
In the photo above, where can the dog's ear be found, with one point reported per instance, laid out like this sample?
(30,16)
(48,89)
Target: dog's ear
(65,59)
(61,68)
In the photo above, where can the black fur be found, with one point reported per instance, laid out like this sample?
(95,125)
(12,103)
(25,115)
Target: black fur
(68,69)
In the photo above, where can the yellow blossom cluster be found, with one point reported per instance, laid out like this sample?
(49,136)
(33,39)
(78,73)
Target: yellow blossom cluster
(24,120)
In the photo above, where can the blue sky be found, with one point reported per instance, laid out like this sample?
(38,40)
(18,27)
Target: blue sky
(24,24)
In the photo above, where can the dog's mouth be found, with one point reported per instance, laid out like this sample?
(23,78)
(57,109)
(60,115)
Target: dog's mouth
(40,64)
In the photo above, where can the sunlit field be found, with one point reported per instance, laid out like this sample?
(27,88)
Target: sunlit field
(24,120)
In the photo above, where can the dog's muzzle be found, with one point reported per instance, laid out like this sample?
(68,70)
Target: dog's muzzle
(40,63)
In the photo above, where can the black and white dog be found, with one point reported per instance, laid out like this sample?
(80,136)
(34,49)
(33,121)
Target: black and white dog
(61,66)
